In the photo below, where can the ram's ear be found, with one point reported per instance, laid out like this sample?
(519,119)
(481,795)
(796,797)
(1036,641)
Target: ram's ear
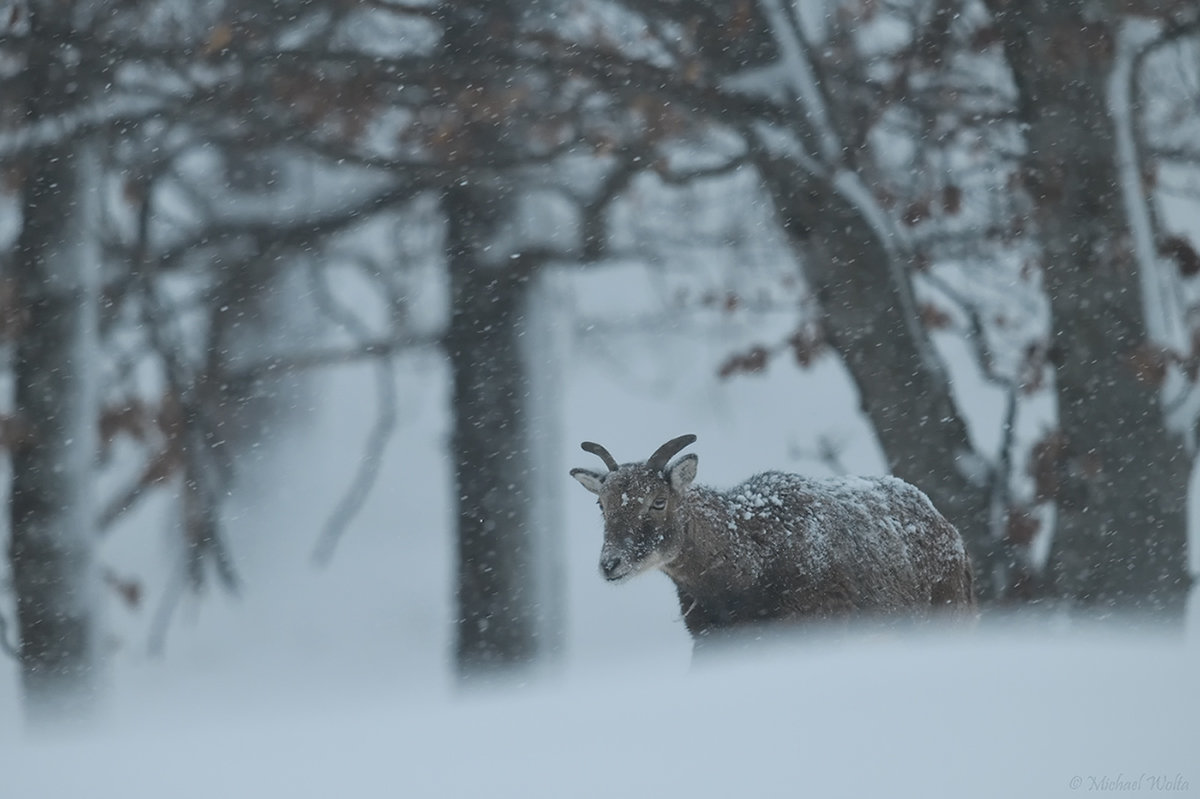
(588,479)
(682,473)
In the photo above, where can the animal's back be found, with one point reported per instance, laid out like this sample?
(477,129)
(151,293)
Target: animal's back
(829,547)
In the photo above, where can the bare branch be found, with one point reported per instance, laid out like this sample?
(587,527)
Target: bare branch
(291,363)
(828,453)
(296,234)
(377,440)
(974,333)
(1001,490)
(368,468)
(102,113)
(161,623)
(1182,154)
(122,503)
(200,495)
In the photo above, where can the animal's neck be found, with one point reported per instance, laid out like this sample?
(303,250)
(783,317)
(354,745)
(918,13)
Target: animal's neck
(705,530)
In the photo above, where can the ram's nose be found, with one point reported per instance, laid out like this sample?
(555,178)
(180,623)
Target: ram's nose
(613,567)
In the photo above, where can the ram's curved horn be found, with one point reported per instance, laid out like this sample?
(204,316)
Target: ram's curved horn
(658,461)
(602,453)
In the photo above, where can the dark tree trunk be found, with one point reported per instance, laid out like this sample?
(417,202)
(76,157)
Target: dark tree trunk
(55,269)
(917,424)
(1120,541)
(501,624)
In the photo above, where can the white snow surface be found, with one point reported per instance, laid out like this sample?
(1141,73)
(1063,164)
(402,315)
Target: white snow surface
(985,714)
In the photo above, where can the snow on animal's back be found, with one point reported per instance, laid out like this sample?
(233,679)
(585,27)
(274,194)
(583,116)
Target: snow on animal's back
(869,520)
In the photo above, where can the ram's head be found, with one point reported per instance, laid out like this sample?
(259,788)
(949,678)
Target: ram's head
(640,503)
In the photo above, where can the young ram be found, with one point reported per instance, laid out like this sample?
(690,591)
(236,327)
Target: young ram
(778,547)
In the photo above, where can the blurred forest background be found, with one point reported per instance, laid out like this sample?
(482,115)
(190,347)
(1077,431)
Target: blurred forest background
(974,223)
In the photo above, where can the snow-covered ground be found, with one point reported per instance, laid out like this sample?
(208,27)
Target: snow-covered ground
(336,682)
(990,715)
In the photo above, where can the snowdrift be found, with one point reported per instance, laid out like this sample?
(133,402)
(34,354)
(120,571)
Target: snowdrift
(997,712)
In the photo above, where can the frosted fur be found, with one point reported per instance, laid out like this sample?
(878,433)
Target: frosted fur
(781,547)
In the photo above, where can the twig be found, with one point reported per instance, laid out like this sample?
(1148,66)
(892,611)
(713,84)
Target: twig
(593,213)
(1001,491)
(828,453)
(121,504)
(368,468)
(296,235)
(380,436)
(974,333)
(161,622)
(334,356)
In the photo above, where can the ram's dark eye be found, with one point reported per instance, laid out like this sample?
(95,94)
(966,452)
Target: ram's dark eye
(659,503)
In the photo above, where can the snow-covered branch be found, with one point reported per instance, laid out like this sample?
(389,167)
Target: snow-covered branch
(847,182)
(99,114)
(1160,308)
(798,70)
